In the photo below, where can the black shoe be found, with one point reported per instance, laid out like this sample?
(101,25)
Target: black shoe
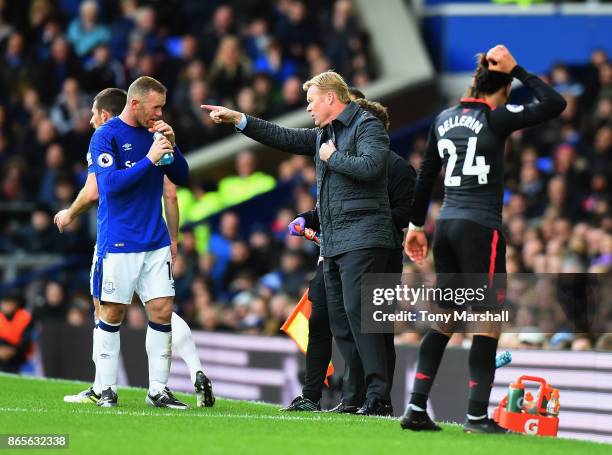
(302,404)
(374,407)
(108,399)
(344,409)
(164,399)
(418,421)
(483,426)
(204,392)
(387,408)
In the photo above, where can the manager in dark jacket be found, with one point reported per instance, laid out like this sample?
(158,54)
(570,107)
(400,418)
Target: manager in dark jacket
(351,148)
(400,187)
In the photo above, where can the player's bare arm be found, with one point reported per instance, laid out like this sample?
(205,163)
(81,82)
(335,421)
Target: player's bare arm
(87,197)
(171,210)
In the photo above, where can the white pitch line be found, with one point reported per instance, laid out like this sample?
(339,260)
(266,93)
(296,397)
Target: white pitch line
(224,416)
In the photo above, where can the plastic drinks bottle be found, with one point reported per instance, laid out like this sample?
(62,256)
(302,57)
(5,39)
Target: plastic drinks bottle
(552,407)
(168,157)
(516,394)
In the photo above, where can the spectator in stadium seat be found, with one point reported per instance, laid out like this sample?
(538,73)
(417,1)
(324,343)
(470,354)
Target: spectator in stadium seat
(103,71)
(13,66)
(85,32)
(601,152)
(293,97)
(121,28)
(296,30)
(78,312)
(605,80)
(293,272)
(257,39)
(174,67)
(342,34)
(604,343)
(145,19)
(5,150)
(230,70)
(40,236)
(263,86)
(247,183)
(55,161)
(191,124)
(274,64)
(222,25)
(563,82)
(64,191)
(71,107)
(220,246)
(183,277)
(246,101)
(53,72)
(15,334)
(264,249)
(53,306)
(44,37)
(13,188)
(240,263)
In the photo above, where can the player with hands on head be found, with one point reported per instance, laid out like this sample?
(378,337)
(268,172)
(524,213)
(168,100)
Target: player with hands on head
(469,139)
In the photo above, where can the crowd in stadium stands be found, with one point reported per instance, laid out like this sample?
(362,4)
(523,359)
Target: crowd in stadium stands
(54,56)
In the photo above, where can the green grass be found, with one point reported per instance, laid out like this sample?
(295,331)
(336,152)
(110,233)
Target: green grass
(34,406)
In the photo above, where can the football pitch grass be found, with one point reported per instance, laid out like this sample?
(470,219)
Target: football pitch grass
(35,406)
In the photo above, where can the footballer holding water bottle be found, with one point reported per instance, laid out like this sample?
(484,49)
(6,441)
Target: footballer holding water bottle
(133,244)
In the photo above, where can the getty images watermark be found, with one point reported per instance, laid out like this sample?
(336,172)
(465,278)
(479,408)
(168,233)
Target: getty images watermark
(447,299)
(481,303)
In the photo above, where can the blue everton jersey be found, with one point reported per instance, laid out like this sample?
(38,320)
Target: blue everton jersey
(130,188)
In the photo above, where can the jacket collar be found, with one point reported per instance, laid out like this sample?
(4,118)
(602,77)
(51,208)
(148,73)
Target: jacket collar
(347,115)
(478,100)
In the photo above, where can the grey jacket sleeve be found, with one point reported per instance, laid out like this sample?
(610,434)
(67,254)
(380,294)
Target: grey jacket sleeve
(372,151)
(299,141)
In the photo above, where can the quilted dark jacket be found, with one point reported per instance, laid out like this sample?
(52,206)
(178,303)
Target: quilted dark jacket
(352,198)
(401,178)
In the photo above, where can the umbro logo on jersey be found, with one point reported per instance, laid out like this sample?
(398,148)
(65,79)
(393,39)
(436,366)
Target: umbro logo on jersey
(127,147)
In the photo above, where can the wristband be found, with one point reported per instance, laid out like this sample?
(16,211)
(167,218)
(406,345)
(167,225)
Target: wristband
(412,227)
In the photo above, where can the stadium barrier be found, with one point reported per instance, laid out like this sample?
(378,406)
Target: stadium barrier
(267,369)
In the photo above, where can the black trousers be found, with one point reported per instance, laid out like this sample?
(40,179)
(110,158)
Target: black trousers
(329,315)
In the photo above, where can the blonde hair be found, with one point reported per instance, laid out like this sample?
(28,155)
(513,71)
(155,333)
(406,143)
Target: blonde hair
(330,81)
(143,85)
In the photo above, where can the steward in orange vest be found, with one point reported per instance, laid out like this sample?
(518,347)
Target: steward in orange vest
(15,334)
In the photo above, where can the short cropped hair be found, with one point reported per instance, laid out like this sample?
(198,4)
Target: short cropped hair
(330,81)
(111,100)
(143,85)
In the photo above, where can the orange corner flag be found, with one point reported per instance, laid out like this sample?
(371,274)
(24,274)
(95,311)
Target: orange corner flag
(296,326)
